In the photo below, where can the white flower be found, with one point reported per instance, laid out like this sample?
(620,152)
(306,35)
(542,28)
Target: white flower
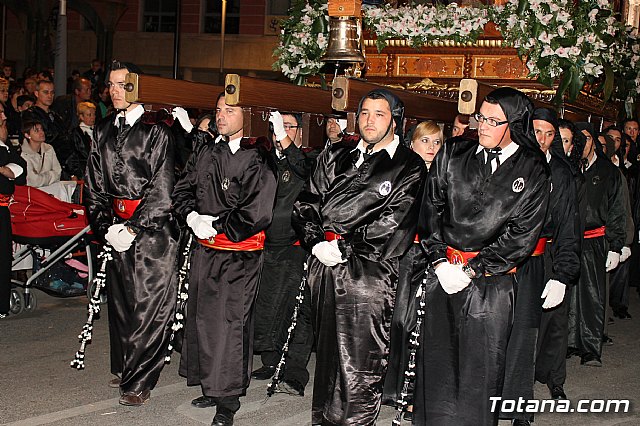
(562,52)
(592,15)
(546,38)
(592,69)
(547,51)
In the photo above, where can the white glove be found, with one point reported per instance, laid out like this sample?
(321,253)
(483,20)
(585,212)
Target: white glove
(452,278)
(626,253)
(328,253)
(553,294)
(119,237)
(202,225)
(275,118)
(181,115)
(613,259)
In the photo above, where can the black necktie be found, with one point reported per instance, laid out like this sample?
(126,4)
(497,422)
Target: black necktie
(368,152)
(122,124)
(492,153)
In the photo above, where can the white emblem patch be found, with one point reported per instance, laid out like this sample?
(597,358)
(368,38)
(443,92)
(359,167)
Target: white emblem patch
(225,184)
(385,188)
(518,185)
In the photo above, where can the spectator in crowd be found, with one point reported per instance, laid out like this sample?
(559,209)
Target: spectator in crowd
(67,105)
(82,137)
(43,167)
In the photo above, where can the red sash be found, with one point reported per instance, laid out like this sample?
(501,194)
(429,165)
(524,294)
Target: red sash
(331,236)
(124,208)
(594,233)
(221,242)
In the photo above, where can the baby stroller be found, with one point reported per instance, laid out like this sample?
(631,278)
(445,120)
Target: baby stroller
(40,221)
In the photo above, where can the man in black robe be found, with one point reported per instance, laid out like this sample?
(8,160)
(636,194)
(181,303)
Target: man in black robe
(546,274)
(357,217)
(551,362)
(604,238)
(284,266)
(12,171)
(484,206)
(226,196)
(129,181)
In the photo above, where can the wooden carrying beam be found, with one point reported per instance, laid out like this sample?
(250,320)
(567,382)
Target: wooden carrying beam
(148,89)
(347,93)
(253,92)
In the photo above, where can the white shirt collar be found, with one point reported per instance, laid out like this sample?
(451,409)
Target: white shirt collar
(593,160)
(548,155)
(234,145)
(131,116)
(505,152)
(391,149)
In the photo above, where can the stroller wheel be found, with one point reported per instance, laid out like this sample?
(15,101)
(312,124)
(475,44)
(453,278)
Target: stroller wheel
(33,303)
(16,302)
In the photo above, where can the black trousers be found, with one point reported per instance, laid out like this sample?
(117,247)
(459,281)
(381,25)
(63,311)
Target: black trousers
(276,301)
(619,290)
(587,311)
(6,255)
(521,349)
(551,361)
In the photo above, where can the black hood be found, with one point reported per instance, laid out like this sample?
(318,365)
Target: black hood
(556,148)
(518,109)
(395,105)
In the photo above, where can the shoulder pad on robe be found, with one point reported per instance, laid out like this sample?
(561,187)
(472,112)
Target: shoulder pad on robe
(155,117)
(350,140)
(261,143)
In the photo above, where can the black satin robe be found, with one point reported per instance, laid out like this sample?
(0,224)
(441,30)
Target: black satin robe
(463,346)
(605,207)
(136,164)
(240,188)
(563,231)
(373,207)
(411,273)
(6,248)
(282,273)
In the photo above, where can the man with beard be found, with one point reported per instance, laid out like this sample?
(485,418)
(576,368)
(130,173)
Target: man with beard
(604,238)
(556,263)
(225,196)
(129,180)
(484,206)
(357,217)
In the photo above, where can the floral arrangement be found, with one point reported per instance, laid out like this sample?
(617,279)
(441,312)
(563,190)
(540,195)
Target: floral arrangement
(303,40)
(560,40)
(422,24)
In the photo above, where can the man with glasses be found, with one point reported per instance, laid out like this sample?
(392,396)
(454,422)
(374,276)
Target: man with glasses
(484,205)
(283,265)
(130,177)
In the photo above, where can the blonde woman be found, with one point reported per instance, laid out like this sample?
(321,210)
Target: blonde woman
(426,141)
(82,137)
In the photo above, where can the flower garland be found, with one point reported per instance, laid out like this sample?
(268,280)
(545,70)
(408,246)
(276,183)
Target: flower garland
(559,40)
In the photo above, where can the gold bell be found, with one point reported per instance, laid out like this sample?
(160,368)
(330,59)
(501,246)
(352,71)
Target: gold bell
(344,41)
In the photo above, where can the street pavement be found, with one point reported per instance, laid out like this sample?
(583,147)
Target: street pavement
(38,386)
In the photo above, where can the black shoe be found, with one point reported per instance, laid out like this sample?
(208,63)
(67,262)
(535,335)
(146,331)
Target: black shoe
(591,360)
(408,416)
(203,402)
(223,417)
(263,373)
(572,352)
(291,387)
(520,422)
(607,341)
(557,392)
